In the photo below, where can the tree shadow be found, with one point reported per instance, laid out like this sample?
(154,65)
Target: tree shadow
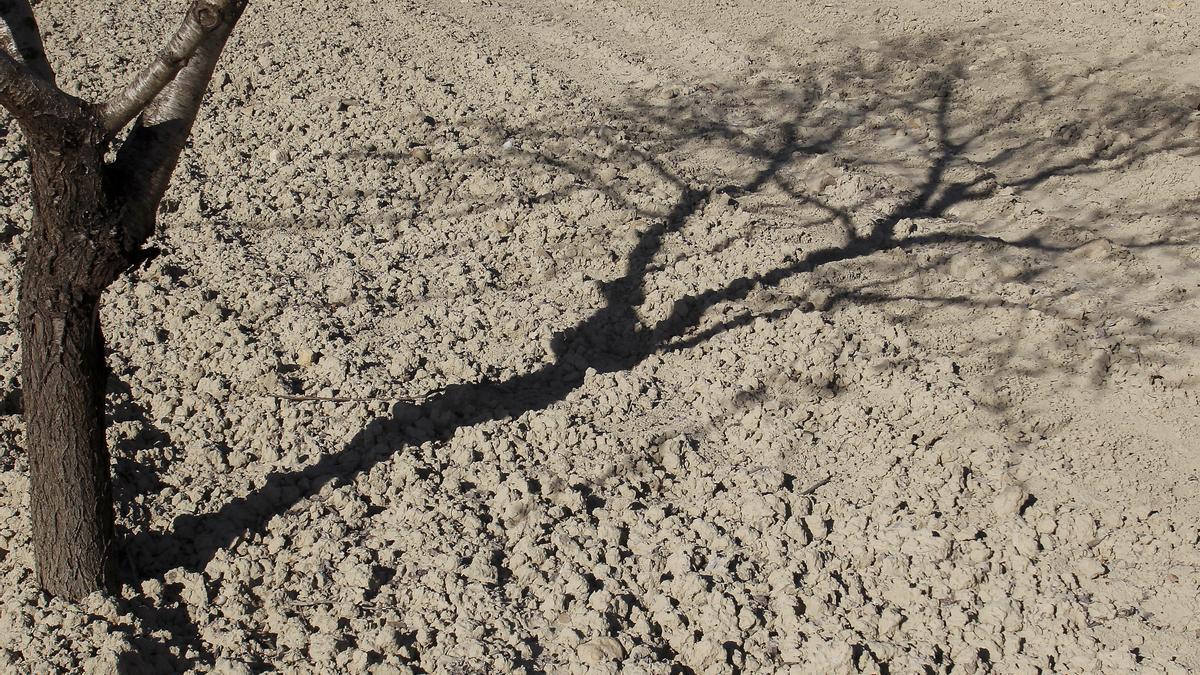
(960,161)
(139,459)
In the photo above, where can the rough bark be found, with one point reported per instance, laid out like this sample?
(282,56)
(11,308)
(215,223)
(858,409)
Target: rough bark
(71,257)
(63,374)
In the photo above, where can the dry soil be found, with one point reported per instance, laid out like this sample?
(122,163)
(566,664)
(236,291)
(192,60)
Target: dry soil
(645,336)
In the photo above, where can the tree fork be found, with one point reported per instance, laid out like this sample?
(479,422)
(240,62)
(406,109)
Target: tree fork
(91,220)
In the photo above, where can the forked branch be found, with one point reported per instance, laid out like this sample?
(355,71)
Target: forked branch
(23,92)
(26,79)
(148,157)
(22,40)
(202,18)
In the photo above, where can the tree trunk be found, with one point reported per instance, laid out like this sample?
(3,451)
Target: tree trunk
(71,257)
(64,380)
(91,221)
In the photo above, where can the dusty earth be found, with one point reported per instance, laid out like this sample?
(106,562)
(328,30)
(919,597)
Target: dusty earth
(649,336)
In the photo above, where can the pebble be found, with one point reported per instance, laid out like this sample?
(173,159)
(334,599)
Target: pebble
(1090,568)
(1047,525)
(231,667)
(1008,502)
(600,650)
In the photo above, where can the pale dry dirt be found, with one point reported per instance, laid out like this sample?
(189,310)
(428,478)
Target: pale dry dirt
(666,336)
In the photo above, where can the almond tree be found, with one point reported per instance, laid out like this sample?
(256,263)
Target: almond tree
(91,221)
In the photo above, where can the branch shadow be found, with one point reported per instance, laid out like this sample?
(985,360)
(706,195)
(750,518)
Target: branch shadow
(961,164)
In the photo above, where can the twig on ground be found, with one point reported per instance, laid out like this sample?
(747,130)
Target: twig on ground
(349,399)
(817,485)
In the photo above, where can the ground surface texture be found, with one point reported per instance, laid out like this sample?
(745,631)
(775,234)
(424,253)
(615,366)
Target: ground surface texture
(660,336)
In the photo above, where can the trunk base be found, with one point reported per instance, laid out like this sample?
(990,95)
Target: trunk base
(64,379)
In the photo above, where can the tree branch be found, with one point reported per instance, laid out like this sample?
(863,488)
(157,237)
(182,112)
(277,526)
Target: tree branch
(22,40)
(145,162)
(24,93)
(202,18)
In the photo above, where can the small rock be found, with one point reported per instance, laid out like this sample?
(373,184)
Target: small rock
(601,650)
(1009,501)
(1090,568)
(1047,525)
(341,295)
(230,667)
(482,570)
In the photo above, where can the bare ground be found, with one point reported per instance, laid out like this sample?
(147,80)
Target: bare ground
(631,336)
